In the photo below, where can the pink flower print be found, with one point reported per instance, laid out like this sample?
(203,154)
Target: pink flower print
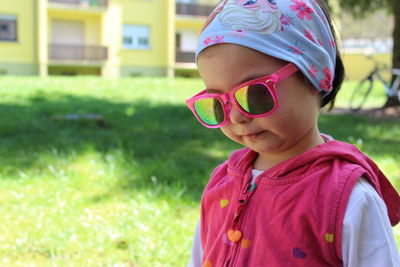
(302,9)
(219,39)
(327,72)
(320,42)
(333,44)
(238,33)
(208,40)
(313,71)
(286,20)
(295,49)
(326,84)
(309,35)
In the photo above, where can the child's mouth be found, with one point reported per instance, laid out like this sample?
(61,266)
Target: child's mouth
(253,136)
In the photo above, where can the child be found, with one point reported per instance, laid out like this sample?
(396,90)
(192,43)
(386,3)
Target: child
(292,196)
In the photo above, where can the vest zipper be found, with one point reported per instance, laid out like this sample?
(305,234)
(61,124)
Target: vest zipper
(238,221)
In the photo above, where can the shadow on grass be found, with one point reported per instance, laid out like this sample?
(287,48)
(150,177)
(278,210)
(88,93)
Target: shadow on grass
(379,139)
(375,137)
(163,148)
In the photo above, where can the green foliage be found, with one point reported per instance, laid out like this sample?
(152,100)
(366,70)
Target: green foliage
(187,73)
(363,7)
(124,192)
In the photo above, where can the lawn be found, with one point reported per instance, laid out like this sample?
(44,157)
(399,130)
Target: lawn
(123,190)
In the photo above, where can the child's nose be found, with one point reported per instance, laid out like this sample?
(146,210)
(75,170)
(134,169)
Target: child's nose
(237,117)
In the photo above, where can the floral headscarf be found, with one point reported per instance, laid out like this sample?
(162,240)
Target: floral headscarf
(296,31)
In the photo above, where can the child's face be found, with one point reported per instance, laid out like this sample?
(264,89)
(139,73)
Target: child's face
(291,128)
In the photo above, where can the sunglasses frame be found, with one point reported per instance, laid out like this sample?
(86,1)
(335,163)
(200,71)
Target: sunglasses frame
(269,81)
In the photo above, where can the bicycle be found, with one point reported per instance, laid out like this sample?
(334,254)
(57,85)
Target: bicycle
(363,89)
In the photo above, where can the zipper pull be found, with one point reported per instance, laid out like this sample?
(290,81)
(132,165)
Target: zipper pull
(238,212)
(253,186)
(246,189)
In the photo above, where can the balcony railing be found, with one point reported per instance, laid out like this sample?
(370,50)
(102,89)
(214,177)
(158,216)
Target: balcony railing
(184,57)
(82,3)
(61,52)
(193,9)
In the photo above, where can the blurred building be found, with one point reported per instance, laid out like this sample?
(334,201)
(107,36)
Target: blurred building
(111,38)
(365,40)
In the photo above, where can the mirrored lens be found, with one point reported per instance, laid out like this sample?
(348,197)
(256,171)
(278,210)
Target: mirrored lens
(255,99)
(210,111)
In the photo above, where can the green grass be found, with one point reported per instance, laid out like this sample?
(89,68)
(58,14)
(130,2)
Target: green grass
(375,99)
(126,192)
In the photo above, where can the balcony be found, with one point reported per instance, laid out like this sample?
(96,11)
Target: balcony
(77,53)
(193,9)
(81,3)
(184,57)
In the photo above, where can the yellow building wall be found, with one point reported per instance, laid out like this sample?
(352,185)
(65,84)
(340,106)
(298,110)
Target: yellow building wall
(357,65)
(105,28)
(190,24)
(194,22)
(22,53)
(154,15)
(111,38)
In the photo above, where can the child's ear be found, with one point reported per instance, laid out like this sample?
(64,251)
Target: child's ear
(315,91)
(309,85)
(312,89)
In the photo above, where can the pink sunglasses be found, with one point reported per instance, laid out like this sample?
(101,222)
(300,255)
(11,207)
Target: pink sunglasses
(255,98)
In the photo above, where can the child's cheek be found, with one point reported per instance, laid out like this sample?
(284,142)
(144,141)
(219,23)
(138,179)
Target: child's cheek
(231,135)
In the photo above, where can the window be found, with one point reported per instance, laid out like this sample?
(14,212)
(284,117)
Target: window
(136,37)
(178,41)
(8,28)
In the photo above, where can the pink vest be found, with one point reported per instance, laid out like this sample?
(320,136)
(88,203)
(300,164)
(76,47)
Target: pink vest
(293,216)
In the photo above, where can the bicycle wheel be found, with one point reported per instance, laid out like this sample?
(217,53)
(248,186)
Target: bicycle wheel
(360,94)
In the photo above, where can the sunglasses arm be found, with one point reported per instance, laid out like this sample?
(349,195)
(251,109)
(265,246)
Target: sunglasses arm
(284,72)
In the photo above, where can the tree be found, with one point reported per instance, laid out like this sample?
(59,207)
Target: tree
(362,7)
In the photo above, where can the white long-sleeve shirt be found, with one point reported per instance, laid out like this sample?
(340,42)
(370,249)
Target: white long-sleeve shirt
(367,236)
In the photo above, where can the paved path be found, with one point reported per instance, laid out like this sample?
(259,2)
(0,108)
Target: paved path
(375,113)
